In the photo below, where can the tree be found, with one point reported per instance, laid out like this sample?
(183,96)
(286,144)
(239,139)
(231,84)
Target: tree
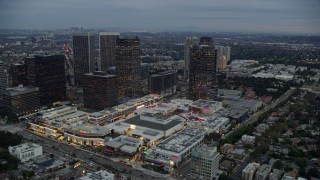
(27,174)
(223,177)
(278,165)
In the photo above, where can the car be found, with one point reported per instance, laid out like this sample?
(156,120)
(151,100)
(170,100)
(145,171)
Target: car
(91,164)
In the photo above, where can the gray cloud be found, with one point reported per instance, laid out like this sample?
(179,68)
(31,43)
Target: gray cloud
(290,16)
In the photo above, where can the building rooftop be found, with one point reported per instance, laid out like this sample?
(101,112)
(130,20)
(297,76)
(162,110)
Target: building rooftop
(251,167)
(19,90)
(181,140)
(205,103)
(205,152)
(136,120)
(109,33)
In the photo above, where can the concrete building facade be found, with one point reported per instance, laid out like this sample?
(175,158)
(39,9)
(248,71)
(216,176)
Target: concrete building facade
(204,162)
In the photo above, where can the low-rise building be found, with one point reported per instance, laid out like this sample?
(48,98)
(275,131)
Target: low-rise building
(26,151)
(22,100)
(176,149)
(226,148)
(263,172)
(204,162)
(205,107)
(248,139)
(226,165)
(275,174)
(249,171)
(99,175)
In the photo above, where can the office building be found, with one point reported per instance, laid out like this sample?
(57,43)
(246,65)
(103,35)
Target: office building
(163,83)
(249,171)
(18,73)
(202,77)
(26,151)
(263,172)
(204,162)
(21,100)
(128,66)
(83,55)
(224,51)
(107,44)
(189,43)
(47,73)
(3,78)
(99,90)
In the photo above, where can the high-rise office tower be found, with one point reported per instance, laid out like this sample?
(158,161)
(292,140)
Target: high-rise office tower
(83,55)
(189,43)
(18,73)
(128,66)
(47,73)
(204,162)
(221,63)
(224,51)
(208,41)
(3,78)
(100,90)
(202,78)
(107,42)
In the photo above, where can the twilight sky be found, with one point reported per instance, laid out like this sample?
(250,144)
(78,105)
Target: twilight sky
(271,16)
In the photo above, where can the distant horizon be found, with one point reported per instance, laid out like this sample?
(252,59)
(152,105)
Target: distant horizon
(110,29)
(245,16)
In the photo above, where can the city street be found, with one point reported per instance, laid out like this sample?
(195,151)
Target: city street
(87,157)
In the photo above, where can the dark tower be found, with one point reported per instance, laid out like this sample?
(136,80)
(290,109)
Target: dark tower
(99,90)
(83,55)
(107,41)
(128,66)
(47,73)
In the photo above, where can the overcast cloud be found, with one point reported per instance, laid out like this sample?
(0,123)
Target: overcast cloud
(273,16)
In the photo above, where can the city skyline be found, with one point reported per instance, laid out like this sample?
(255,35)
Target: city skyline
(286,16)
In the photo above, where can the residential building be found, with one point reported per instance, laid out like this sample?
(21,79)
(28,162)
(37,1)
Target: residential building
(83,55)
(26,151)
(226,165)
(163,83)
(107,42)
(128,66)
(248,139)
(249,171)
(99,90)
(189,43)
(275,174)
(224,51)
(202,77)
(47,73)
(221,63)
(263,172)
(226,148)
(21,100)
(204,162)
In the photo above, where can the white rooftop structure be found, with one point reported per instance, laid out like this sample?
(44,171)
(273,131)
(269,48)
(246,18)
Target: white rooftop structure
(99,175)
(25,151)
(177,148)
